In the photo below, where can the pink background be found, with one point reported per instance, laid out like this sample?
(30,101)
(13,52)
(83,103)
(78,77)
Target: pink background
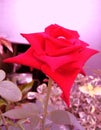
(26,16)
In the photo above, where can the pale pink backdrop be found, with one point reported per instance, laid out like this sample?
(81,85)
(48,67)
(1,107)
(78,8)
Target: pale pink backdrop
(26,16)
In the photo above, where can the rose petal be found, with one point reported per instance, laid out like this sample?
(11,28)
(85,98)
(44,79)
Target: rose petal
(60,62)
(55,31)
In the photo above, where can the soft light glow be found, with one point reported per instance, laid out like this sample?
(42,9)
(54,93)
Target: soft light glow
(24,16)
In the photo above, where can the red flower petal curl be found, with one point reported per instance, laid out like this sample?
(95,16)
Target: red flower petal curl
(60,62)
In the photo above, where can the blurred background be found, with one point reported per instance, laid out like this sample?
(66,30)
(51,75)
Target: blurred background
(28,16)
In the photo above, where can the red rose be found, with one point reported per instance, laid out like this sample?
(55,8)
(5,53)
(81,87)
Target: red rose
(57,52)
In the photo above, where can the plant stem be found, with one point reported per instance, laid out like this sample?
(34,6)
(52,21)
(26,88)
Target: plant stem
(46,103)
(4,121)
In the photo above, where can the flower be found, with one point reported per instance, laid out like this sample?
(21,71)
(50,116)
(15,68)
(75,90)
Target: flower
(59,53)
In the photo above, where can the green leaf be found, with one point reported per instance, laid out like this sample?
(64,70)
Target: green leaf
(59,117)
(64,118)
(34,120)
(75,122)
(30,123)
(2,102)
(9,91)
(2,75)
(26,87)
(24,111)
(9,122)
(14,128)
(53,126)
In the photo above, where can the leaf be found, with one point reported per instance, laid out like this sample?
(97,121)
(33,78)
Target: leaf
(2,102)
(9,122)
(59,117)
(31,122)
(34,120)
(2,75)
(74,121)
(6,43)
(24,111)
(64,118)
(14,128)
(9,91)
(52,126)
(26,87)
